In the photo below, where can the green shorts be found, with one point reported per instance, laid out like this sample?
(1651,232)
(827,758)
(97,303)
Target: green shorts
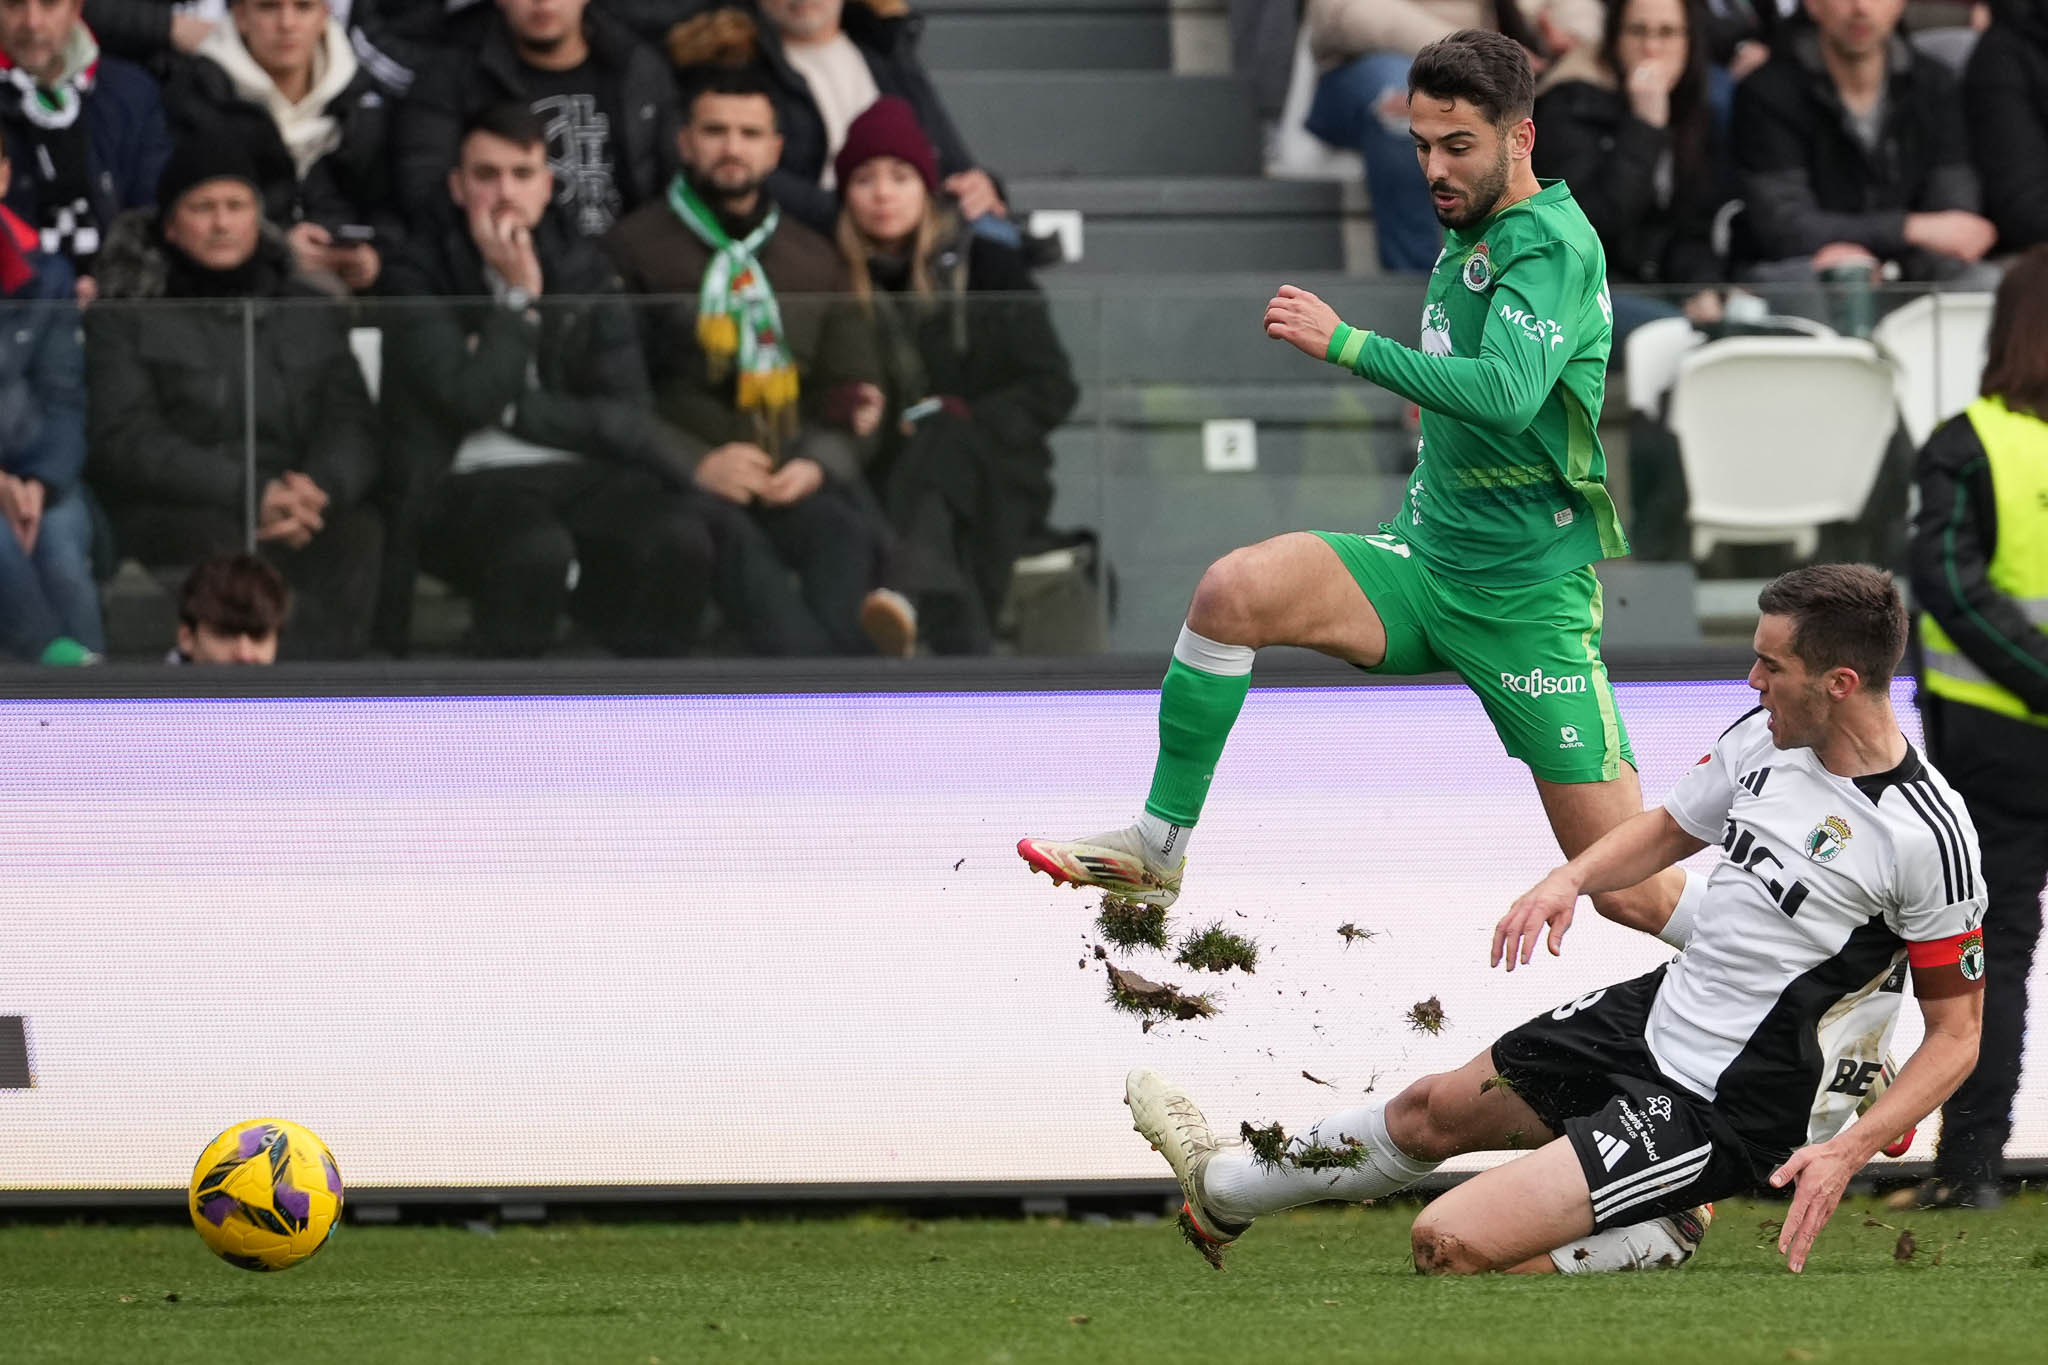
(1532,653)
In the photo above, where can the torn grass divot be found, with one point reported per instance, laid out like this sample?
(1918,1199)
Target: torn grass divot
(1152,1000)
(1215,950)
(1130,925)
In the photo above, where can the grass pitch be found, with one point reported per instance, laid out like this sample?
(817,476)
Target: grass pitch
(1322,1285)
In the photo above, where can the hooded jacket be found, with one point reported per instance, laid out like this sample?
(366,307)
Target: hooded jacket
(349,182)
(170,378)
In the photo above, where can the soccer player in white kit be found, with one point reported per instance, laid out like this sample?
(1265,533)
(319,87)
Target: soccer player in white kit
(1846,862)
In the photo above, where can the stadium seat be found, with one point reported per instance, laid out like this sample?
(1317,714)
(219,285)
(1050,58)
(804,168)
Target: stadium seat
(1936,346)
(1650,362)
(1779,436)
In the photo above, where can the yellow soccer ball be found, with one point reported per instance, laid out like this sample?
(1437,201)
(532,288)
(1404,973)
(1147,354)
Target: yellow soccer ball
(265,1195)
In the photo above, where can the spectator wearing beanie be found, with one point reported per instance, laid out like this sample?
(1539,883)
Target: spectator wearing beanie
(168,442)
(86,132)
(973,378)
(281,80)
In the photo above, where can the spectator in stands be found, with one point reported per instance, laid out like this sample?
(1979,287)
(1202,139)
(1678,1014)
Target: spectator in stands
(232,611)
(826,61)
(146,31)
(606,99)
(1980,573)
(169,444)
(974,379)
(87,131)
(1637,146)
(1852,156)
(49,605)
(2005,97)
(1262,34)
(280,78)
(774,391)
(526,426)
(1364,48)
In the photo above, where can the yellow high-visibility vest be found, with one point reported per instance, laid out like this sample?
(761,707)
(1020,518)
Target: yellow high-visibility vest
(2016,444)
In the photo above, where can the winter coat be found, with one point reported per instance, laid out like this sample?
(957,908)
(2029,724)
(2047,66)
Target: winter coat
(1587,136)
(571,373)
(827,336)
(887,34)
(1806,179)
(169,382)
(42,371)
(351,184)
(990,344)
(2005,88)
(136,30)
(126,136)
(427,135)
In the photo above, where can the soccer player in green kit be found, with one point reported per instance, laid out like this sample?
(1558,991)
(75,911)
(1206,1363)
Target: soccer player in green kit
(1486,570)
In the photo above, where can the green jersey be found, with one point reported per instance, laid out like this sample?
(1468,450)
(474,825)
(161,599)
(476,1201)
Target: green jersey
(1510,481)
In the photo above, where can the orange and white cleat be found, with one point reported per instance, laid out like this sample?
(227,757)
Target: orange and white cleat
(1167,1118)
(1116,862)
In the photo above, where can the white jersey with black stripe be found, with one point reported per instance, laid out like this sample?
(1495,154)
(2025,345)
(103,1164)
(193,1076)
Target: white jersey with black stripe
(1822,882)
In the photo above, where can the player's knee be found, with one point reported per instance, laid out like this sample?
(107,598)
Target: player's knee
(1226,604)
(1438,1249)
(1410,1124)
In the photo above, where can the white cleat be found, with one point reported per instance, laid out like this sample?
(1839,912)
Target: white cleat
(1168,1119)
(1117,862)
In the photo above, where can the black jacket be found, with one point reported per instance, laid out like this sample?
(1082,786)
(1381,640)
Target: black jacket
(571,374)
(1807,180)
(428,131)
(168,381)
(126,137)
(2005,89)
(994,348)
(351,184)
(138,30)
(1588,137)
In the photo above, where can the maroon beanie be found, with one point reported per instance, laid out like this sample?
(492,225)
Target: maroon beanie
(888,127)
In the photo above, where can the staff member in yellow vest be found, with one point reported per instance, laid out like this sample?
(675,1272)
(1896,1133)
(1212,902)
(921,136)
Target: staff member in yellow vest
(1980,574)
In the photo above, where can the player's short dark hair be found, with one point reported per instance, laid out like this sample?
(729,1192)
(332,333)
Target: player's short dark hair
(1486,70)
(2016,353)
(509,121)
(1843,616)
(728,80)
(235,595)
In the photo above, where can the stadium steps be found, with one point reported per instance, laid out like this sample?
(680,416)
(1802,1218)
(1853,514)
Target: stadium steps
(1123,123)
(1047,35)
(1195,223)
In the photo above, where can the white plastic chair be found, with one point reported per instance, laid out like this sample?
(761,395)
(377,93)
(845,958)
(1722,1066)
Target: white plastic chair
(1779,436)
(368,345)
(1937,344)
(1650,361)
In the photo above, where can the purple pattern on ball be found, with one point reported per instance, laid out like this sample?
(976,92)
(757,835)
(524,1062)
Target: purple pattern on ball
(253,1141)
(292,1201)
(333,1175)
(216,1209)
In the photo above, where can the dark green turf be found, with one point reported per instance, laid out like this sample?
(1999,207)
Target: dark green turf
(1309,1287)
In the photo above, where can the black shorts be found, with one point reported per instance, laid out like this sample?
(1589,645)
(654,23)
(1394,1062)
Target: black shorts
(1649,1146)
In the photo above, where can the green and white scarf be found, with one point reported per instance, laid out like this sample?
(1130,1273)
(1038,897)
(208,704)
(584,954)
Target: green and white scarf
(738,322)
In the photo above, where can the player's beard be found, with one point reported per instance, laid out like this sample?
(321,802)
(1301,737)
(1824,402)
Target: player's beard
(1481,200)
(722,192)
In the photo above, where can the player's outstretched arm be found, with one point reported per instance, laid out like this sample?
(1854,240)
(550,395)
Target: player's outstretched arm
(1954,1011)
(1633,850)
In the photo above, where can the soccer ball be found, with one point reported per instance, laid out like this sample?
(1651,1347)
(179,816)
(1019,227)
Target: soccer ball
(265,1195)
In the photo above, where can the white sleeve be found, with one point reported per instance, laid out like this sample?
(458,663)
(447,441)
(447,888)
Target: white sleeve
(1701,799)
(1941,882)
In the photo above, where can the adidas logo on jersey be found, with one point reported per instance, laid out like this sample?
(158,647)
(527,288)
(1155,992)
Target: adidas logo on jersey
(1612,1149)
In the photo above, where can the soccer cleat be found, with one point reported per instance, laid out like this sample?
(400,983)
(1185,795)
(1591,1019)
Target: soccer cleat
(1689,1228)
(1168,1119)
(1117,862)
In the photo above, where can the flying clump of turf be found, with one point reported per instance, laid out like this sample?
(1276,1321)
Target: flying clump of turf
(1131,925)
(1216,950)
(1153,1001)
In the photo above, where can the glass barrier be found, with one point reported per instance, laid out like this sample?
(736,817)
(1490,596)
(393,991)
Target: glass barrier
(1021,474)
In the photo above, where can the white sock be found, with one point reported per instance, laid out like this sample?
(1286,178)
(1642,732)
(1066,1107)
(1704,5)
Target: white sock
(1166,844)
(1639,1246)
(1237,1187)
(1685,916)
(1213,656)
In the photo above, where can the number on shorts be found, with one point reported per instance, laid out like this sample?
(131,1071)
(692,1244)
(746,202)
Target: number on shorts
(1584,1002)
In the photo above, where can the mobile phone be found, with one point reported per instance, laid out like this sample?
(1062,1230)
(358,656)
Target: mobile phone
(353,234)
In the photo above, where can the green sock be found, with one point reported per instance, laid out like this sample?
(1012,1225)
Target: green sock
(1196,711)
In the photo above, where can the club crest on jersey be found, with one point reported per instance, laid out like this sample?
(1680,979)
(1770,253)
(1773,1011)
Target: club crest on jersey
(1478,269)
(1828,839)
(1971,959)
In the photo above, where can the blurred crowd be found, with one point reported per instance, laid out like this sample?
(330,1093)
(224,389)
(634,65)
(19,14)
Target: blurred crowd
(825,428)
